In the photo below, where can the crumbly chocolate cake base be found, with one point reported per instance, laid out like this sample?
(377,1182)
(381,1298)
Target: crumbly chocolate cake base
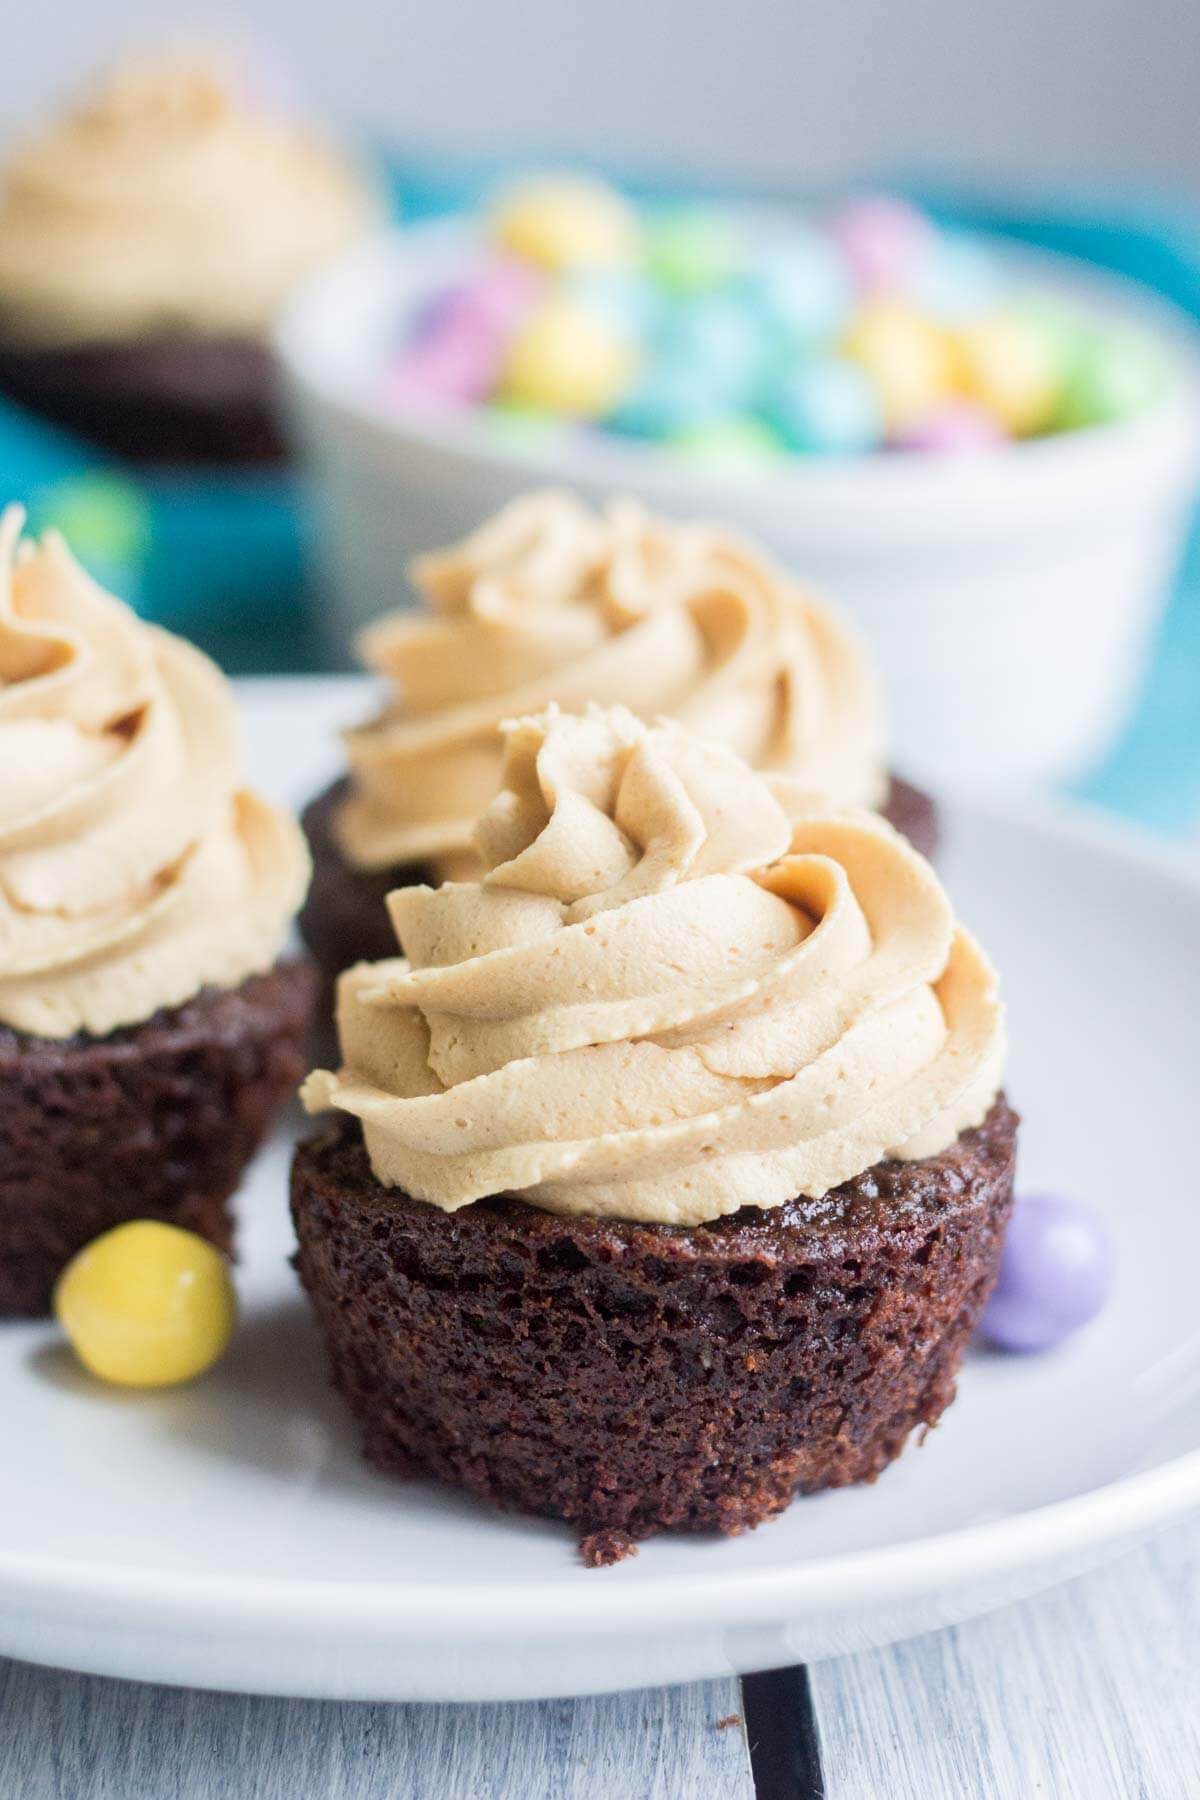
(640,1378)
(345,921)
(153,1122)
(165,400)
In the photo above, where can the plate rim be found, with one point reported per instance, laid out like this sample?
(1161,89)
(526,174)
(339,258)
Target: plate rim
(915,1566)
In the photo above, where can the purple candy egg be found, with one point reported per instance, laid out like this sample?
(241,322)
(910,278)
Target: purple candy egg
(882,239)
(957,427)
(1056,1273)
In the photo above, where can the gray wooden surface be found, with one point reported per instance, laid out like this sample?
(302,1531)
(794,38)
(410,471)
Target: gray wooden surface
(1091,1692)
(75,1737)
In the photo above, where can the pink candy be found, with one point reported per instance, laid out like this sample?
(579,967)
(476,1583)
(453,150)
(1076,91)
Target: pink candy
(495,302)
(883,240)
(455,354)
(953,428)
(454,366)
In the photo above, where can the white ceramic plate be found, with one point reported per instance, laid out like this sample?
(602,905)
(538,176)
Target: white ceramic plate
(227,1534)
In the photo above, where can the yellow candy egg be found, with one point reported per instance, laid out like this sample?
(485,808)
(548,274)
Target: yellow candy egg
(146,1304)
(1010,368)
(567,222)
(568,359)
(908,358)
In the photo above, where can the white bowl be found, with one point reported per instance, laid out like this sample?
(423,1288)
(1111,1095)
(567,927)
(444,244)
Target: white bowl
(1010,595)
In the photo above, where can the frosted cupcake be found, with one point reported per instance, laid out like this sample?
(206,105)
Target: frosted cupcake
(551,602)
(149,1029)
(666,1178)
(148,240)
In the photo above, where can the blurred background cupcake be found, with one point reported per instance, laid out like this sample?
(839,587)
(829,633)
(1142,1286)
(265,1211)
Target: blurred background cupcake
(149,236)
(920,321)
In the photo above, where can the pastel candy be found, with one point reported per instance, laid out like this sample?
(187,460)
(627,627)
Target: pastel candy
(882,239)
(718,337)
(692,248)
(566,358)
(494,301)
(1056,1273)
(527,428)
(957,427)
(628,300)
(457,363)
(826,405)
(567,222)
(733,443)
(104,516)
(1117,375)
(801,286)
(1010,368)
(733,333)
(147,1304)
(668,400)
(955,281)
(1055,321)
(907,358)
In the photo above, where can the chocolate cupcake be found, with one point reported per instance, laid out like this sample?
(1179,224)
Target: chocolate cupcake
(147,243)
(148,1029)
(669,1172)
(550,602)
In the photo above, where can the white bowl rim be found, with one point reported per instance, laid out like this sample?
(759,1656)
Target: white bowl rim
(1159,448)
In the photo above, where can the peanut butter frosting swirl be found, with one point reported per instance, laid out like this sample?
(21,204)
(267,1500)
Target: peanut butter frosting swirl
(664,1000)
(165,201)
(134,868)
(551,602)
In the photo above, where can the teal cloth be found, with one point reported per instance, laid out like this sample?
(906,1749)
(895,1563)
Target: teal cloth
(221,558)
(224,558)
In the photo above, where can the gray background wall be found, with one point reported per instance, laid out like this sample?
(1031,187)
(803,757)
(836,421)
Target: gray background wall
(777,88)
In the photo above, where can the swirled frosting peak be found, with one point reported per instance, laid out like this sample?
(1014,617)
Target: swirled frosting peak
(664,999)
(134,867)
(166,201)
(550,601)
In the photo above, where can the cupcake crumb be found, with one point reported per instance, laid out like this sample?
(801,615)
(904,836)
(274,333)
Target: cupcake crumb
(600,1549)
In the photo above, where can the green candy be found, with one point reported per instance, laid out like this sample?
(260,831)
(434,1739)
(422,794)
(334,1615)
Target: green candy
(525,427)
(1060,326)
(736,443)
(692,249)
(1117,374)
(103,517)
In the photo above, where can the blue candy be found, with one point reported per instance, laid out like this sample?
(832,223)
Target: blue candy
(627,301)
(719,338)
(669,400)
(825,406)
(956,280)
(800,286)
